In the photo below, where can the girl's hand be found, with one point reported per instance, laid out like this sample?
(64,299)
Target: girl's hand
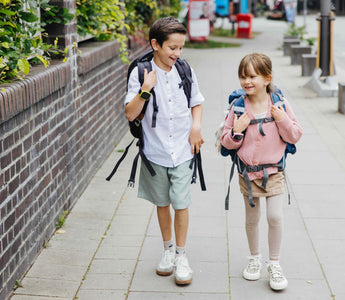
(195,139)
(241,123)
(278,113)
(150,80)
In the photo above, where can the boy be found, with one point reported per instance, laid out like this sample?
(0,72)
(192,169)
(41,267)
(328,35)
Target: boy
(171,144)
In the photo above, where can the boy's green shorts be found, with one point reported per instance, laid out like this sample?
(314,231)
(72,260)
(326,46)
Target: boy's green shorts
(168,186)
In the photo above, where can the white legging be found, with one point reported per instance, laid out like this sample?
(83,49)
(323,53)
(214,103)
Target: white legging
(274,213)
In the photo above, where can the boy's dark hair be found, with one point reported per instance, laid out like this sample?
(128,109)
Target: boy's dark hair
(162,28)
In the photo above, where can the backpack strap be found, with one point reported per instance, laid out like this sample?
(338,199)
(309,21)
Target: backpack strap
(131,180)
(185,72)
(142,65)
(120,160)
(196,164)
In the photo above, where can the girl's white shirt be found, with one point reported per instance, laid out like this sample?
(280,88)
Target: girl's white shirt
(167,144)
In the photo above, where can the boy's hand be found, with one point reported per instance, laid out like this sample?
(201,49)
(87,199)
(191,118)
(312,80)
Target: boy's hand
(150,80)
(278,113)
(195,139)
(241,123)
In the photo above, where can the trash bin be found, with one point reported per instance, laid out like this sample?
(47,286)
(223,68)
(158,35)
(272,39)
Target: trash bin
(244,25)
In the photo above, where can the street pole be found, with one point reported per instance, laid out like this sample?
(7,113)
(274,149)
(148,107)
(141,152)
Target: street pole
(305,13)
(324,57)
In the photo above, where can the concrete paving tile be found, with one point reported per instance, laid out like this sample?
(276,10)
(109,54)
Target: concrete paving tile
(66,257)
(89,218)
(306,161)
(331,255)
(117,253)
(242,289)
(177,295)
(129,225)
(153,228)
(40,269)
(48,288)
(136,228)
(207,226)
(207,278)
(85,294)
(35,297)
(88,232)
(318,178)
(206,249)
(211,206)
(113,240)
(106,282)
(152,249)
(326,229)
(59,241)
(110,266)
(298,257)
(320,202)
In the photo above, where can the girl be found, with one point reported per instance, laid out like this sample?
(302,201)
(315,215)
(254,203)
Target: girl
(254,149)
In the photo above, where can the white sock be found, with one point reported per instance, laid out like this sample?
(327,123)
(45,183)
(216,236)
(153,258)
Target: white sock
(169,245)
(180,251)
(273,262)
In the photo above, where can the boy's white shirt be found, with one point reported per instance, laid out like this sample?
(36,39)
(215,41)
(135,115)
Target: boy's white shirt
(167,144)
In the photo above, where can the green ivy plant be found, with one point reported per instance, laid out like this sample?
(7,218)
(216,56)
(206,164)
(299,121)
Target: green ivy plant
(52,14)
(21,39)
(104,19)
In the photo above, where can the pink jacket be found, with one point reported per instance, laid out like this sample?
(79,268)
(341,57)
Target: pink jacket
(256,149)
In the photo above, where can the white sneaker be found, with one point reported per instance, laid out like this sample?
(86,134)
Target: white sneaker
(252,271)
(276,276)
(166,265)
(183,273)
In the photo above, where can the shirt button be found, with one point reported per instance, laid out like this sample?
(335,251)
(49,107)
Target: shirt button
(169,100)
(170,118)
(167,81)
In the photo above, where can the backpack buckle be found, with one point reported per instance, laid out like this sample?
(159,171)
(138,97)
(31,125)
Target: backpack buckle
(253,168)
(137,122)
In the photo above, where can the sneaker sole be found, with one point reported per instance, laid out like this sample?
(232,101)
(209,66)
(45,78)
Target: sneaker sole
(278,288)
(162,273)
(183,282)
(252,277)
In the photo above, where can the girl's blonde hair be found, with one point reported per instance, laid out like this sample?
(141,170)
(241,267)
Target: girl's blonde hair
(261,64)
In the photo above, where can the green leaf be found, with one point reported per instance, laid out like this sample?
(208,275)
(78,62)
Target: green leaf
(28,17)
(23,65)
(5,45)
(43,60)
(7,12)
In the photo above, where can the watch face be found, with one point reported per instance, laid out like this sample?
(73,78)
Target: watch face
(145,95)
(238,137)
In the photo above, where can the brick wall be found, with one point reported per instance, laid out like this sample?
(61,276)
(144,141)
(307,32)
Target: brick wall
(56,129)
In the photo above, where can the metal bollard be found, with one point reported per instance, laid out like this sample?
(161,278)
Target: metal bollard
(341,97)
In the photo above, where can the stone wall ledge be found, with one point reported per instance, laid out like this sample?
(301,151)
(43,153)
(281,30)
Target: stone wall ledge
(93,54)
(41,82)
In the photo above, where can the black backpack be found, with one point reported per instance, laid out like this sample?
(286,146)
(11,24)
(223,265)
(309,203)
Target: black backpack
(144,62)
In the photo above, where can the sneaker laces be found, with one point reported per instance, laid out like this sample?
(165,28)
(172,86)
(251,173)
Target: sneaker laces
(253,265)
(182,264)
(276,273)
(166,259)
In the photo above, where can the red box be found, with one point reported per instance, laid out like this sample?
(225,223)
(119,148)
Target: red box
(244,26)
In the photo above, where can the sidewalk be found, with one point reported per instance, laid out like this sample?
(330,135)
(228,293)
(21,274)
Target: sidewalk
(110,243)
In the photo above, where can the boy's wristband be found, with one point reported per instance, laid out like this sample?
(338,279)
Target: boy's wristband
(144,95)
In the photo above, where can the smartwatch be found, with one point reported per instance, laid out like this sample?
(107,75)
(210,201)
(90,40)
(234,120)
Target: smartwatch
(236,136)
(144,95)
